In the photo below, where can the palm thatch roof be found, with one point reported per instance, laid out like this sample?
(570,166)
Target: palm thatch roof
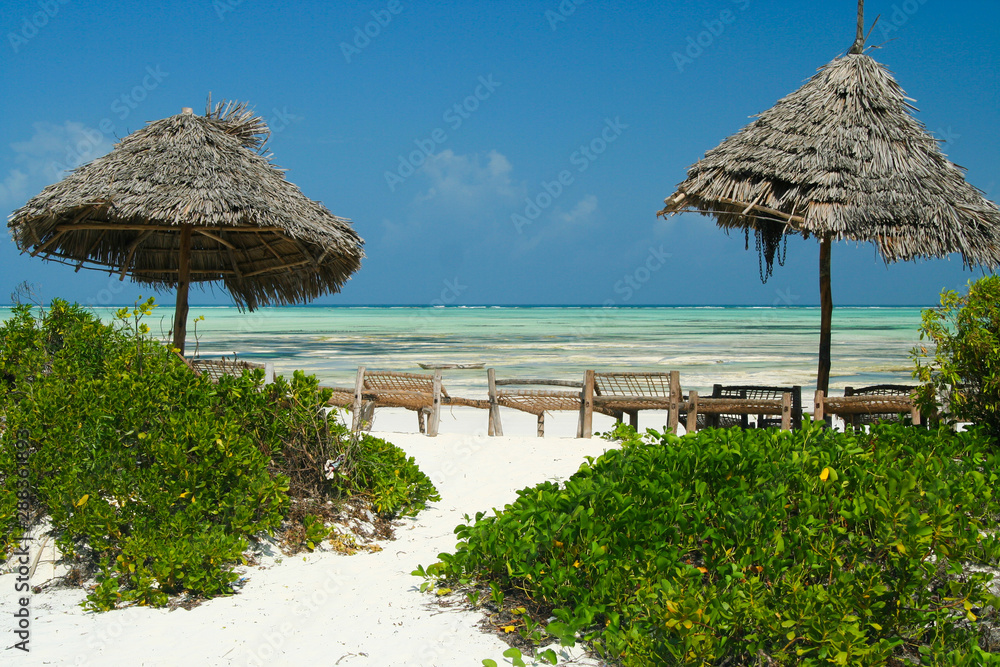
(842,155)
(249,228)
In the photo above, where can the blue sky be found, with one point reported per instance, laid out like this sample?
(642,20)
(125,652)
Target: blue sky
(437,126)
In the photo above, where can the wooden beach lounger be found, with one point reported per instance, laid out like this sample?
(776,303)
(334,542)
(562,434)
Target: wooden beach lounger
(343,397)
(420,392)
(533,401)
(882,402)
(709,416)
(618,394)
(744,404)
(216,368)
(903,390)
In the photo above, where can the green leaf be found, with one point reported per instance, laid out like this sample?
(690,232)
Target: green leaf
(549,656)
(515,655)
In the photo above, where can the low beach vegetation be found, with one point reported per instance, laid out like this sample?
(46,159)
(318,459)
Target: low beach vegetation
(155,479)
(962,371)
(756,547)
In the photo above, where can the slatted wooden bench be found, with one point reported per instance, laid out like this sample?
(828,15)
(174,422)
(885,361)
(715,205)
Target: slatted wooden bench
(514,393)
(618,394)
(904,390)
(421,392)
(342,397)
(869,404)
(742,405)
(215,369)
(773,415)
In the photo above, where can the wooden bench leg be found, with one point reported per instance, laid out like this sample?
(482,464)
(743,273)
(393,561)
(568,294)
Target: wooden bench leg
(541,425)
(586,428)
(692,420)
(915,412)
(359,384)
(495,427)
(420,420)
(675,402)
(786,411)
(367,415)
(435,416)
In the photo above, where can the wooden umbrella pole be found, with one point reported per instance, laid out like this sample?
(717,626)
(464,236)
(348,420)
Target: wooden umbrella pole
(826,315)
(825,291)
(859,40)
(183,282)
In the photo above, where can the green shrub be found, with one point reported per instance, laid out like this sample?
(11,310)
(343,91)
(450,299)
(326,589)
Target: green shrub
(320,456)
(157,477)
(964,372)
(131,457)
(383,470)
(755,547)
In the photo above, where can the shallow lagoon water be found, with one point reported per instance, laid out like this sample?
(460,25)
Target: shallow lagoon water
(706,344)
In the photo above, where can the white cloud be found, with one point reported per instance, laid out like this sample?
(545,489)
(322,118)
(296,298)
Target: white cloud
(557,225)
(47,155)
(580,213)
(468,181)
(13,188)
(478,194)
(393,233)
(461,194)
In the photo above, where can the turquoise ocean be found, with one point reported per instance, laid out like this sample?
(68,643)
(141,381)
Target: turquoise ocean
(707,345)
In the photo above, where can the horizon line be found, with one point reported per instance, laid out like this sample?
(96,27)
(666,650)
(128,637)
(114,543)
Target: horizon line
(509,305)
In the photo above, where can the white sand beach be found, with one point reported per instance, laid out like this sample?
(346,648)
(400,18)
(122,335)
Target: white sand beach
(327,608)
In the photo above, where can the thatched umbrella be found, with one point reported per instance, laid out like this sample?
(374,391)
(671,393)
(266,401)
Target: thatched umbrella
(191,199)
(842,158)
